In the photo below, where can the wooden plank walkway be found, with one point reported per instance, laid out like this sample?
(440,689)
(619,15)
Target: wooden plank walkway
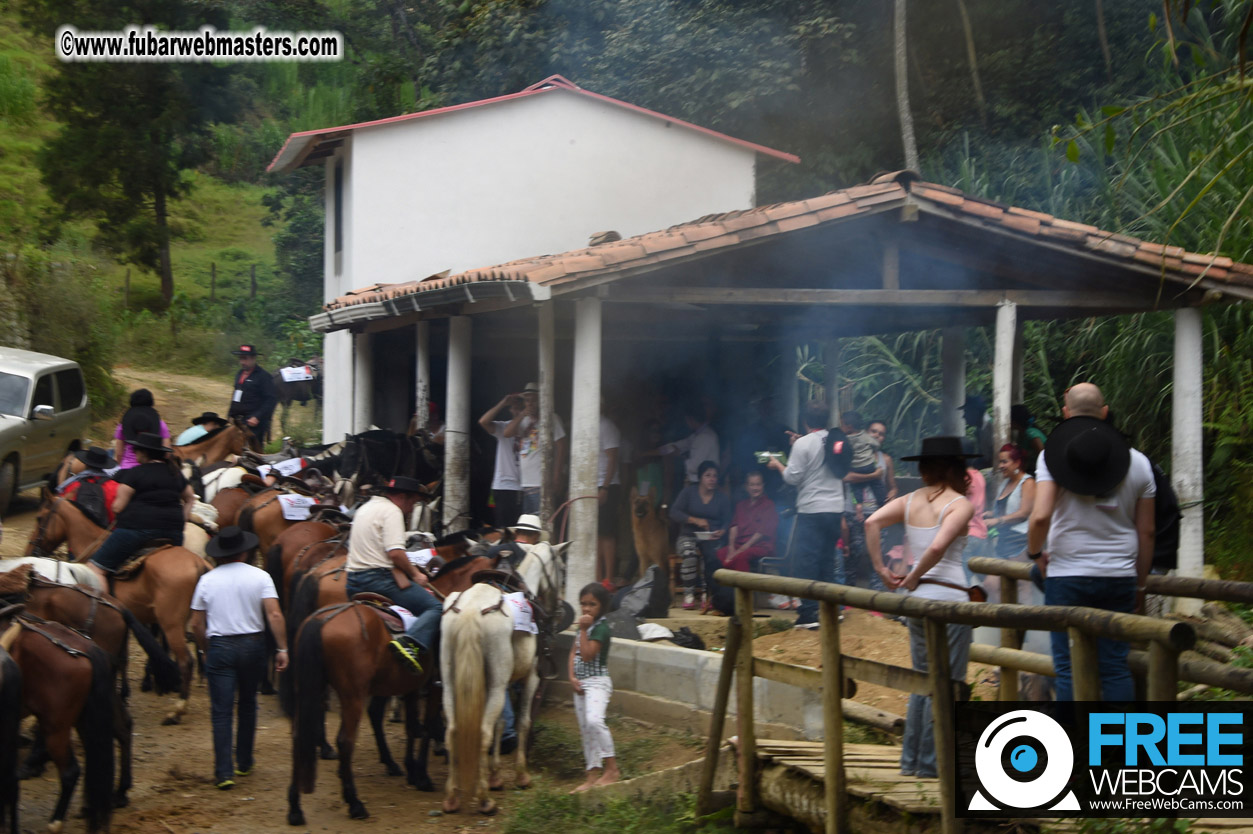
(873,773)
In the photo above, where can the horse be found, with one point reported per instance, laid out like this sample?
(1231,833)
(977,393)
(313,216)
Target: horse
(67,682)
(262,514)
(160,593)
(228,502)
(300,391)
(10,728)
(345,646)
(59,520)
(103,619)
(219,444)
(480,656)
(290,546)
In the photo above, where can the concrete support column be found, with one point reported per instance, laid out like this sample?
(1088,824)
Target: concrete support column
(547,368)
(456,498)
(337,385)
(363,383)
(953,382)
(584,446)
(831,380)
(422,374)
(1003,371)
(1186,466)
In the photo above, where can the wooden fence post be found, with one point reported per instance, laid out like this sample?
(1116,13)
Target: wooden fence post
(747,799)
(1163,672)
(936,635)
(213,280)
(1085,671)
(836,796)
(1011,638)
(717,719)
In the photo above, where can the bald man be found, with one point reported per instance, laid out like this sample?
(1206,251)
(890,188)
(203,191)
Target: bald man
(1093,514)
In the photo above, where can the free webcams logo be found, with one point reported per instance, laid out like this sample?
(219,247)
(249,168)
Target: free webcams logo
(1024,760)
(1122,760)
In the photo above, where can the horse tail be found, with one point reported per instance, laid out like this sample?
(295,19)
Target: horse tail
(10,723)
(166,676)
(95,728)
(274,567)
(308,703)
(244,521)
(469,695)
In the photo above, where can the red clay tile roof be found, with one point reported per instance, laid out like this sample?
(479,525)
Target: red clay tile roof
(296,150)
(889,191)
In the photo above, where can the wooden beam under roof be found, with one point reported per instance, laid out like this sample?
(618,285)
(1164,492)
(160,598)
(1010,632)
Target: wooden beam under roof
(876,298)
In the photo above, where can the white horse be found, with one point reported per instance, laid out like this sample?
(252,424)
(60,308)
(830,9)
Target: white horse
(480,656)
(55,570)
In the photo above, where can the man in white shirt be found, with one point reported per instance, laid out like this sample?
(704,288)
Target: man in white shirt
(609,497)
(377,563)
(229,611)
(525,427)
(1094,514)
(506,486)
(699,446)
(819,507)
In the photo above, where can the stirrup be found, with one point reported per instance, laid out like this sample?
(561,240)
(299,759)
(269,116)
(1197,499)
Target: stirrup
(407,654)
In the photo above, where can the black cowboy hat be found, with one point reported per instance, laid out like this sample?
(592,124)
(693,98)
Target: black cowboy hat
(941,447)
(209,417)
(1087,456)
(230,541)
(149,442)
(247,350)
(96,458)
(403,483)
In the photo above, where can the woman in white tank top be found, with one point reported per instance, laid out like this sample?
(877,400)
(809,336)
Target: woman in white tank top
(936,518)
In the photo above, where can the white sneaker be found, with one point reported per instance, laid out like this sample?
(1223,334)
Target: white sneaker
(808,626)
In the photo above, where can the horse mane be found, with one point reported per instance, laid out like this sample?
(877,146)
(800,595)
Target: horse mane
(458,563)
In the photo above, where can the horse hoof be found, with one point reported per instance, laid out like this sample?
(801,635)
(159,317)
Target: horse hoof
(295,818)
(145,685)
(55,826)
(423,784)
(171,720)
(451,806)
(29,772)
(357,811)
(523,786)
(499,787)
(328,754)
(394,770)
(488,808)
(120,800)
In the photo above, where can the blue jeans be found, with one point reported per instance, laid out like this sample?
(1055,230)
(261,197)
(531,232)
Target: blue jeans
(530,500)
(234,665)
(1116,593)
(918,745)
(814,556)
(420,602)
(123,542)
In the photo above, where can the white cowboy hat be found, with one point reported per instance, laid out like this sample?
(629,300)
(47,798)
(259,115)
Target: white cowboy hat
(528,522)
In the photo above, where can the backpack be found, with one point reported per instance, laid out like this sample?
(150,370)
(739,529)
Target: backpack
(647,597)
(91,500)
(837,452)
(1166,516)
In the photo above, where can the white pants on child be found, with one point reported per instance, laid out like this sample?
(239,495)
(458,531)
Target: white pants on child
(590,709)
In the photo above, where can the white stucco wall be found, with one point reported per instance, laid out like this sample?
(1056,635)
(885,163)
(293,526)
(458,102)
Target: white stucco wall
(527,177)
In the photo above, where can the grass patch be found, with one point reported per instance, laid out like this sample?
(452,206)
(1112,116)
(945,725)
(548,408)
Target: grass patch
(544,812)
(774,625)
(558,750)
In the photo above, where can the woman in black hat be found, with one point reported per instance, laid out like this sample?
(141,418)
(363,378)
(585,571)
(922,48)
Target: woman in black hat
(936,518)
(153,501)
(140,417)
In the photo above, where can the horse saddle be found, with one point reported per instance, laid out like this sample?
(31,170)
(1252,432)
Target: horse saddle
(507,581)
(132,566)
(329,514)
(382,606)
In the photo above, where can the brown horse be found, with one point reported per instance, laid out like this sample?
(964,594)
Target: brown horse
(289,548)
(228,503)
(345,646)
(102,618)
(67,682)
(220,445)
(263,514)
(160,593)
(10,728)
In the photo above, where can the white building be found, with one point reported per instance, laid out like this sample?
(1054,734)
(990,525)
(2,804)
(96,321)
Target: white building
(488,182)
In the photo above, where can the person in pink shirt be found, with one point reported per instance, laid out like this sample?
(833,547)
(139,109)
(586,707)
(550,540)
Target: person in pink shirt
(977,529)
(140,418)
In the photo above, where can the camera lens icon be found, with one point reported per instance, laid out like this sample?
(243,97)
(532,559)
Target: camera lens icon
(1024,760)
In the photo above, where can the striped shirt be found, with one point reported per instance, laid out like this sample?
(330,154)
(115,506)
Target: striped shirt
(598,666)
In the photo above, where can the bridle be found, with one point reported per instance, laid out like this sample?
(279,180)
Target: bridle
(41,529)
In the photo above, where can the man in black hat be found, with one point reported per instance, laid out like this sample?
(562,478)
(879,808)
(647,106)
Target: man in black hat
(229,612)
(1093,513)
(378,563)
(254,397)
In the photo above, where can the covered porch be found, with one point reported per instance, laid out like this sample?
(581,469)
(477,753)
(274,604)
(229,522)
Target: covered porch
(720,295)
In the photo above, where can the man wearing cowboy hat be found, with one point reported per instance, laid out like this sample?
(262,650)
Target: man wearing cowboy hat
(254,397)
(229,611)
(526,533)
(207,422)
(1093,513)
(98,470)
(377,563)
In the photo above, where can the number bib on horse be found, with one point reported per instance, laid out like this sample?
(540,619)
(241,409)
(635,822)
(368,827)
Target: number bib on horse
(523,614)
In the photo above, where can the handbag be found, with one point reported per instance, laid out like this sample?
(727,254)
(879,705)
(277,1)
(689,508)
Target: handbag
(975,592)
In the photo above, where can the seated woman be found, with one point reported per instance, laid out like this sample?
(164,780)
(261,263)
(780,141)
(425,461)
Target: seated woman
(153,501)
(753,527)
(936,518)
(700,507)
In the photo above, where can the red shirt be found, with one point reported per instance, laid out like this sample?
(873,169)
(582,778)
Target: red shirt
(110,492)
(756,516)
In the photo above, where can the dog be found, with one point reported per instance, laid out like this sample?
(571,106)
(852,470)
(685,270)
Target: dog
(652,537)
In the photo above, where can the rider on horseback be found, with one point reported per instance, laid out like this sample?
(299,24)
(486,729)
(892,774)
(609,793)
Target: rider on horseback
(377,563)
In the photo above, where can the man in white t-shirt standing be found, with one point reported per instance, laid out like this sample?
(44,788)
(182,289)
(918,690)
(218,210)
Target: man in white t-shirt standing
(525,427)
(506,486)
(229,611)
(1093,513)
(608,497)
